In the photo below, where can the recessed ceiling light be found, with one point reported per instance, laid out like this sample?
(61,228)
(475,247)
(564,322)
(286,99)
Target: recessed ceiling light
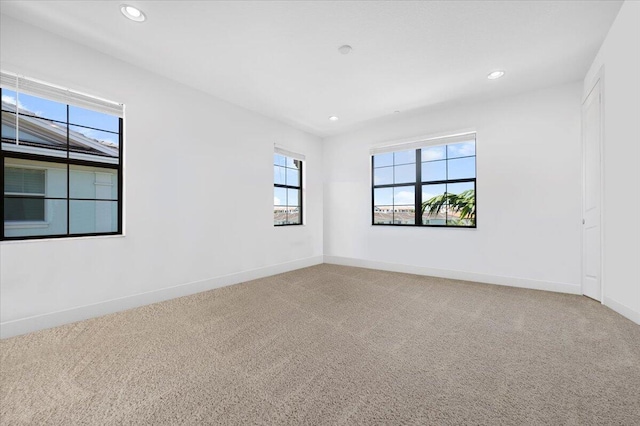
(495,74)
(344,49)
(333,118)
(132,13)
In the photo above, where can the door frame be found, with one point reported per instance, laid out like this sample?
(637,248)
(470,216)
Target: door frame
(597,78)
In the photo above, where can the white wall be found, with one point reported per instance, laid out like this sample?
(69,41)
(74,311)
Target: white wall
(198,204)
(619,57)
(528,195)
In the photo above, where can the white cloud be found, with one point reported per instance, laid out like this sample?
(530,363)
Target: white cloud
(404,197)
(11,101)
(462,149)
(276,201)
(433,154)
(426,196)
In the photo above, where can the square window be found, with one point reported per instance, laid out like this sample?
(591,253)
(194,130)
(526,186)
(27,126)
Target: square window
(434,171)
(446,180)
(383,160)
(404,195)
(62,177)
(404,174)
(93,145)
(434,153)
(461,168)
(93,183)
(404,157)
(383,175)
(462,149)
(93,216)
(89,119)
(23,209)
(383,196)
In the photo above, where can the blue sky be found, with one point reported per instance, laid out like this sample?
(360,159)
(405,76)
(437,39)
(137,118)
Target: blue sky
(285,172)
(405,195)
(78,117)
(454,161)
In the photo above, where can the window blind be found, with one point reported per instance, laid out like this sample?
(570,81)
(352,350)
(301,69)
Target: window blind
(24,181)
(421,143)
(24,209)
(287,153)
(30,86)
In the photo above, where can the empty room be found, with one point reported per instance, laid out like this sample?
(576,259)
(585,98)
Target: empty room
(320,212)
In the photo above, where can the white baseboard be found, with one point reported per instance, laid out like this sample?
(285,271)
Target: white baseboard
(54,319)
(622,309)
(456,275)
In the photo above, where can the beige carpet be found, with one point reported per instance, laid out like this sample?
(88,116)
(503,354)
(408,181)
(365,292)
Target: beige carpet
(333,345)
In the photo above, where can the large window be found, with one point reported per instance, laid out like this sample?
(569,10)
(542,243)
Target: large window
(431,183)
(61,162)
(287,190)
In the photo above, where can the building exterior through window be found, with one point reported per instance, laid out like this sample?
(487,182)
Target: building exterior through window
(61,167)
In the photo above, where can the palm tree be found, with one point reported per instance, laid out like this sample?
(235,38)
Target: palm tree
(463,203)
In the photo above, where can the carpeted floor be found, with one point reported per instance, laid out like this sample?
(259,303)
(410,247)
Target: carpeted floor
(333,345)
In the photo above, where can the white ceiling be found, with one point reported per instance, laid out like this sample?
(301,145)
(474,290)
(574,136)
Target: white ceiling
(281,58)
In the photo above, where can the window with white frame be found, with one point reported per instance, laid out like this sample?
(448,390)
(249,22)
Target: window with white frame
(425,183)
(61,161)
(287,188)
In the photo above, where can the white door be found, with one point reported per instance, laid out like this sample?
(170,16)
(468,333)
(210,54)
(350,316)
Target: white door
(591,200)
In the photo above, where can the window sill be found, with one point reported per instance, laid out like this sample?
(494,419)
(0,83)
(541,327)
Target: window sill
(61,239)
(26,225)
(423,226)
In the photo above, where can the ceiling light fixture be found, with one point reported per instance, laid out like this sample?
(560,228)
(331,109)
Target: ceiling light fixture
(344,49)
(495,74)
(333,118)
(132,13)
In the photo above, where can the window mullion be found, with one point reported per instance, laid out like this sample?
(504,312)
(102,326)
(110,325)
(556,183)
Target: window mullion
(446,186)
(300,195)
(120,174)
(418,198)
(68,180)
(373,191)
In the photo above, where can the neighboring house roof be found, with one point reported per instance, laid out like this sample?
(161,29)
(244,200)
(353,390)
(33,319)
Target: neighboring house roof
(43,133)
(400,214)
